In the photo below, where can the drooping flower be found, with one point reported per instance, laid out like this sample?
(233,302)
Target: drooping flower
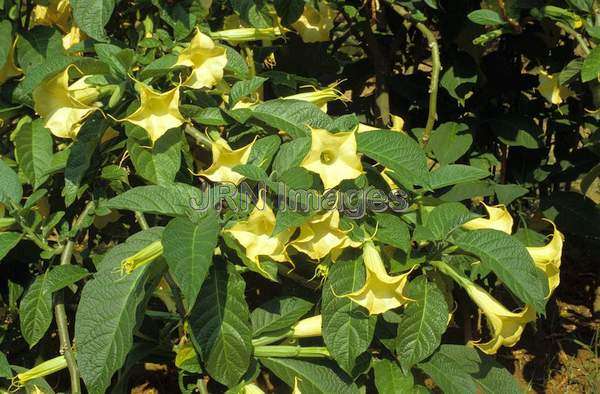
(309,327)
(381,292)
(547,258)
(158,112)
(322,235)
(224,160)
(9,69)
(41,370)
(333,156)
(206,59)
(56,12)
(315,25)
(499,219)
(64,107)
(255,235)
(551,89)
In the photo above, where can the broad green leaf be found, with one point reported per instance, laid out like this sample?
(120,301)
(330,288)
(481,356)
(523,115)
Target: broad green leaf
(510,261)
(5,371)
(172,200)
(81,155)
(450,141)
(220,325)
(509,192)
(287,218)
(92,15)
(236,63)
(423,323)
(574,213)
(453,174)
(278,314)
(245,88)
(177,16)
(34,151)
(570,72)
(263,151)
(396,151)
(120,60)
(313,377)
(38,45)
(517,130)
(111,309)
(8,240)
(389,378)
(292,116)
(6,40)
(393,231)
(11,189)
(347,327)
(252,172)
(35,311)
(444,218)
(486,17)
(62,276)
(467,190)
(591,66)
(159,67)
(289,10)
(159,163)
(188,248)
(460,79)
(291,155)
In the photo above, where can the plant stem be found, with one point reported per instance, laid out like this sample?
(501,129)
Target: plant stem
(62,323)
(573,33)
(200,138)
(291,351)
(141,219)
(435,69)
(250,60)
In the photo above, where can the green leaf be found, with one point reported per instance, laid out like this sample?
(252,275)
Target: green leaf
(6,40)
(393,231)
(313,377)
(220,325)
(570,72)
(510,261)
(460,79)
(486,17)
(292,116)
(445,218)
(389,378)
(467,190)
(81,155)
(8,240)
(160,163)
(289,10)
(574,213)
(263,151)
(589,178)
(450,141)
(35,311)
(591,66)
(517,130)
(34,151)
(188,249)
(453,174)
(509,192)
(347,327)
(235,63)
(119,60)
(278,314)
(92,15)
(172,200)
(245,88)
(291,155)
(111,310)
(62,276)
(461,369)
(423,323)
(395,151)
(37,46)
(252,172)
(11,190)
(5,371)
(287,218)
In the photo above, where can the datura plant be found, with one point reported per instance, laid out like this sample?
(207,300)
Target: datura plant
(289,196)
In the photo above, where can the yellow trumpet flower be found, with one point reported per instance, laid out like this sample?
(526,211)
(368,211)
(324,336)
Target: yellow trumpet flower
(246,34)
(9,69)
(73,36)
(319,97)
(381,292)
(255,235)
(333,156)
(224,160)
(499,219)
(206,59)
(252,388)
(309,327)
(45,368)
(158,112)
(547,258)
(550,88)
(57,12)
(64,107)
(321,236)
(145,256)
(315,25)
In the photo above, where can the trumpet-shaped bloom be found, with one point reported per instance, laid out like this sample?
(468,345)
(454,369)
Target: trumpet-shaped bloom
(255,235)
(547,258)
(9,69)
(322,235)
(145,256)
(315,25)
(333,156)
(381,292)
(551,89)
(206,59)
(499,219)
(224,160)
(64,107)
(158,112)
(57,12)
(309,327)
(246,34)
(73,36)
(506,327)
(320,98)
